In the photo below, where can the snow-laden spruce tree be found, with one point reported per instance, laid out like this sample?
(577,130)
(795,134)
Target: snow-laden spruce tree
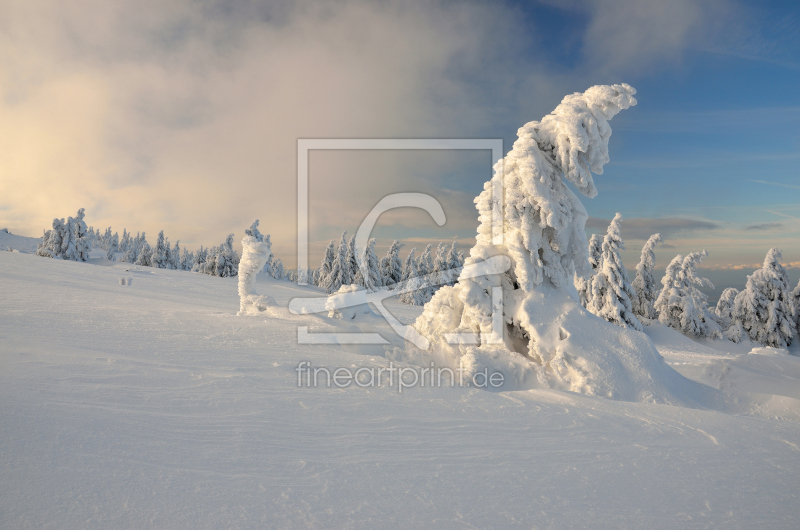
(352,260)
(526,321)
(113,248)
(67,240)
(584,283)
(370,268)
(732,330)
(276,271)
(254,232)
(186,261)
(765,308)
(326,266)
(144,257)
(442,273)
(226,259)
(393,271)
(158,257)
(174,258)
(796,298)
(681,305)
(611,290)
(454,264)
(644,285)
(409,266)
(340,272)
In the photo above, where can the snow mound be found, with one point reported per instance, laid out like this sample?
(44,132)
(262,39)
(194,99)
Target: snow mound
(573,350)
(349,303)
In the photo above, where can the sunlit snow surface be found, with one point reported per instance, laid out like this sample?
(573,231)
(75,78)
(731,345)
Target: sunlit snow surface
(152,405)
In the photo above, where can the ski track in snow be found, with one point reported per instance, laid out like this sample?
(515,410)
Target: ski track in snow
(154,406)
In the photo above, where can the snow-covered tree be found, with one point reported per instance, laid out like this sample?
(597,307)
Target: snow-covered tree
(440,269)
(125,241)
(393,272)
(454,263)
(186,260)
(386,271)
(50,247)
(681,305)
(174,258)
(113,248)
(370,268)
(583,283)
(539,225)
(158,257)
(340,272)
(644,285)
(145,254)
(409,266)
(200,257)
(67,240)
(326,266)
(277,271)
(732,330)
(796,298)
(253,232)
(255,253)
(766,309)
(226,260)
(352,260)
(611,291)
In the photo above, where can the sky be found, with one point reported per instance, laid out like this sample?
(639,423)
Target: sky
(184,116)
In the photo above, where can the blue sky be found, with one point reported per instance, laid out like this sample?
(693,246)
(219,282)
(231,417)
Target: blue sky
(184,116)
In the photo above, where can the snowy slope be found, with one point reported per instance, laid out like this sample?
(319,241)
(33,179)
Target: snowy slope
(20,243)
(154,406)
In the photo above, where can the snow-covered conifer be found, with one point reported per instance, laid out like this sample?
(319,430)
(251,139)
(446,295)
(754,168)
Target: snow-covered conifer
(454,263)
(394,272)
(133,249)
(410,266)
(199,260)
(113,248)
(158,257)
(796,299)
(583,283)
(326,266)
(50,246)
(174,260)
(253,232)
(340,272)
(145,254)
(255,252)
(386,271)
(227,260)
(186,261)
(611,291)
(540,231)
(680,304)
(370,268)
(277,271)
(644,285)
(765,309)
(352,259)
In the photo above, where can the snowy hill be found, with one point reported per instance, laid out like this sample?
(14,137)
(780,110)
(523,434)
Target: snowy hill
(154,405)
(19,243)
